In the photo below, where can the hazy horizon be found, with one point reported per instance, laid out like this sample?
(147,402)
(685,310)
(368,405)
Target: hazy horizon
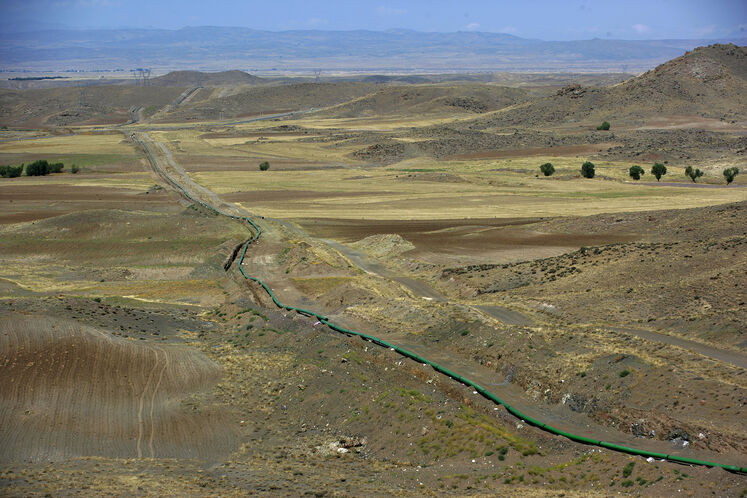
(540,19)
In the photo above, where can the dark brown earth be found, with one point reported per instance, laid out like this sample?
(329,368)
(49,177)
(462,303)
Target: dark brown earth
(467,237)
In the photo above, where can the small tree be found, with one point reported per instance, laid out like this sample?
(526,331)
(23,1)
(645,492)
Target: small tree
(636,172)
(56,167)
(587,169)
(658,170)
(604,126)
(694,174)
(74,169)
(264,166)
(730,173)
(547,169)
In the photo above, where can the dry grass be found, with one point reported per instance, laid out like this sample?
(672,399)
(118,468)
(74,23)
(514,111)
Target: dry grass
(418,189)
(399,192)
(75,144)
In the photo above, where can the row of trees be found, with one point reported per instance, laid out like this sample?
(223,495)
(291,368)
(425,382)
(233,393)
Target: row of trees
(635,171)
(40,167)
(658,170)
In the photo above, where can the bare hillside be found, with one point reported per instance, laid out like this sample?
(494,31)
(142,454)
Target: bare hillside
(197,78)
(430,99)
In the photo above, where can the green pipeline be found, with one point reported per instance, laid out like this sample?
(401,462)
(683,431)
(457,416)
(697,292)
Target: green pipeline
(257,232)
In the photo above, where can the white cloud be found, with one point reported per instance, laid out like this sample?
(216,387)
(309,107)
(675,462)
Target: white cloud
(473,26)
(390,11)
(641,28)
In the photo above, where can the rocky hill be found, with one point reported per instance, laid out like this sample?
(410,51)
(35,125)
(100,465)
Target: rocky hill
(708,82)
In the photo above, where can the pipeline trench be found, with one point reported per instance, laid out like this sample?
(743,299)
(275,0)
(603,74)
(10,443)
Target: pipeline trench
(256,233)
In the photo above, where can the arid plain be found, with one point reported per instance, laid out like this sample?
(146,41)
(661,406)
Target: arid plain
(138,359)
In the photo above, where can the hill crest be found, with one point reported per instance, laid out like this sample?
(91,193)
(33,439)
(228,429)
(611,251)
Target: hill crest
(198,78)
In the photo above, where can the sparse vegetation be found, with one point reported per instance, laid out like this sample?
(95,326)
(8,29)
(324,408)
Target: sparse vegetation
(693,173)
(658,170)
(587,169)
(604,126)
(264,166)
(730,173)
(547,169)
(635,172)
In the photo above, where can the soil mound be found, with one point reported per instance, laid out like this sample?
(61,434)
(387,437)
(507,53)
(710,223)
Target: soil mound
(384,245)
(73,390)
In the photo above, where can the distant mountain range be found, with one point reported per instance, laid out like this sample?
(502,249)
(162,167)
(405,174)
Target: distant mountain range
(220,48)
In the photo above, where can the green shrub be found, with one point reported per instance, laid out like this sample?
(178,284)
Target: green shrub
(628,469)
(465,332)
(56,167)
(587,169)
(624,373)
(694,174)
(37,168)
(636,172)
(11,171)
(658,170)
(730,173)
(604,126)
(264,166)
(74,169)
(547,169)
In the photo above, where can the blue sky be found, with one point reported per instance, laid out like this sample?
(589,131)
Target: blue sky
(543,19)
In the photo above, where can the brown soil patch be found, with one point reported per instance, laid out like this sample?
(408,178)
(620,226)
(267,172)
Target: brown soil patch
(684,122)
(59,192)
(289,195)
(20,217)
(561,150)
(73,390)
(462,237)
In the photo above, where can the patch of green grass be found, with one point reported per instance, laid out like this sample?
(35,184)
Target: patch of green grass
(89,160)
(628,469)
